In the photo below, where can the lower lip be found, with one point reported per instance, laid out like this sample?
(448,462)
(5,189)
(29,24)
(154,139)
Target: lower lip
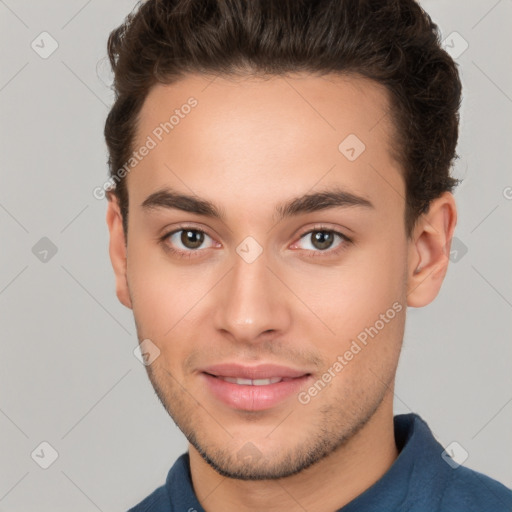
(253,398)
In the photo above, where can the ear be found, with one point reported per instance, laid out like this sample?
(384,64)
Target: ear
(117,250)
(429,248)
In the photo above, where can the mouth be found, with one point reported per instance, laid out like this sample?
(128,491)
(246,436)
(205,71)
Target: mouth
(252,382)
(253,388)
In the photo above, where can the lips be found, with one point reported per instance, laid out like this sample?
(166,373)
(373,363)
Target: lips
(253,388)
(254,373)
(252,382)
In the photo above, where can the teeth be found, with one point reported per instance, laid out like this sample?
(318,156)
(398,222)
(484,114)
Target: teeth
(265,382)
(249,382)
(233,380)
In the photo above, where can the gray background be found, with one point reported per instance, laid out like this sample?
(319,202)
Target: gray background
(68,374)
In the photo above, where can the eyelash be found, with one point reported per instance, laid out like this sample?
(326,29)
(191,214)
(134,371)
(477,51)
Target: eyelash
(315,254)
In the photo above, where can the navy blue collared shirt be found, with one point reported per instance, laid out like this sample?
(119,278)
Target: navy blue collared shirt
(421,479)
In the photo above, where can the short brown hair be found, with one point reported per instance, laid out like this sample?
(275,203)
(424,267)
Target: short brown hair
(393,42)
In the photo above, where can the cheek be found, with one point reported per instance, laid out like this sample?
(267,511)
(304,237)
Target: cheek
(361,305)
(352,297)
(162,293)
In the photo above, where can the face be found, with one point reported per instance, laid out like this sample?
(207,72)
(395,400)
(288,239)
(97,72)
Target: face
(284,268)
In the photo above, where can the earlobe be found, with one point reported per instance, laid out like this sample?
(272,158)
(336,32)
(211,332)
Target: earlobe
(117,250)
(429,249)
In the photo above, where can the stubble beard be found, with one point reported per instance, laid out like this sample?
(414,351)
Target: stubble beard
(337,422)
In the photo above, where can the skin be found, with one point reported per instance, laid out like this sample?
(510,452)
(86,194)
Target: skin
(249,145)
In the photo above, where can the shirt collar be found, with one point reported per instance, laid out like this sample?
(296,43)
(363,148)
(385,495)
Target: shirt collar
(418,462)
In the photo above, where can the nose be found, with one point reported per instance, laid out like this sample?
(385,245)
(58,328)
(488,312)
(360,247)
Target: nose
(252,302)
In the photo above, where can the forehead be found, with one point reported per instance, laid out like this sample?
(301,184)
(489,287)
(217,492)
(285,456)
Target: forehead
(266,137)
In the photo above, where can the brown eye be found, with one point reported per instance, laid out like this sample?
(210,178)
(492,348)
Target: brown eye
(322,239)
(191,239)
(318,241)
(187,240)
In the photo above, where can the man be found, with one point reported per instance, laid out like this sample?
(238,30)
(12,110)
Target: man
(280,195)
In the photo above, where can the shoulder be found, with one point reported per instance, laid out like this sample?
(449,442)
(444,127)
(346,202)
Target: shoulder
(177,494)
(157,501)
(468,490)
(438,485)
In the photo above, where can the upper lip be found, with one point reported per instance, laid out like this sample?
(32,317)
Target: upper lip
(261,371)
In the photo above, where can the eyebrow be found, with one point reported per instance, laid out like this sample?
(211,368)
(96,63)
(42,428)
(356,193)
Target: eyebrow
(333,197)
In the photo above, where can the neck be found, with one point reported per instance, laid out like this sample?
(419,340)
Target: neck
(326,486)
